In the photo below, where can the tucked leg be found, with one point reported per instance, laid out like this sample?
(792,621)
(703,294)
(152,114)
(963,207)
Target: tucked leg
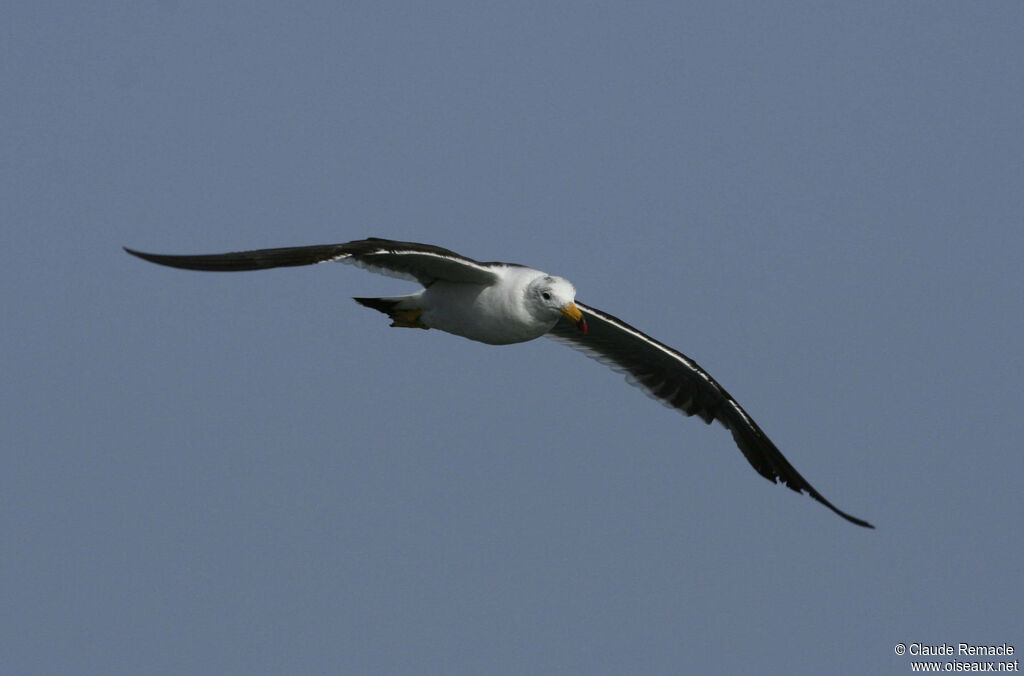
(409,319)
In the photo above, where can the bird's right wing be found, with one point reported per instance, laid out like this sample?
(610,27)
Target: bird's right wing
(424,263)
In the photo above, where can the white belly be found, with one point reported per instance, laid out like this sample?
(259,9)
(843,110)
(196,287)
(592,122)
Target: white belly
(481,313)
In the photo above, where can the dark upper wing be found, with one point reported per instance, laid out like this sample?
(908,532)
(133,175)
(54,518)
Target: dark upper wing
(678,382)
(409,260)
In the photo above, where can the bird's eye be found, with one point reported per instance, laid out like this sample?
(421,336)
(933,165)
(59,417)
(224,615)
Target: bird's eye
(546,296)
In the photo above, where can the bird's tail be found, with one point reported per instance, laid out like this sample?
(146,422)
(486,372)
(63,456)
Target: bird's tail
(385,305)
(401,313)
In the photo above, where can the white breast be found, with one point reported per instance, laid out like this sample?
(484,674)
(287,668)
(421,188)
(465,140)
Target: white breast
(496,314)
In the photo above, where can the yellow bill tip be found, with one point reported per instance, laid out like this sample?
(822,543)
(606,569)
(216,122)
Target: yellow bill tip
(573,313)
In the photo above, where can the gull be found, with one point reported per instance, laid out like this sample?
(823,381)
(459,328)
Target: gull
(504,303)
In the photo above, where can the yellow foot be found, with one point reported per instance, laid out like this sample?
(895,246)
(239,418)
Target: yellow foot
(407,319)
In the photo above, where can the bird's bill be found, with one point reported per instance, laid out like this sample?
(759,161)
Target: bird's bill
(574,314)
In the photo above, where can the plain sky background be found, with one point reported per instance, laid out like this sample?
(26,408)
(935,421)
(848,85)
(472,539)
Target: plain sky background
(821,203)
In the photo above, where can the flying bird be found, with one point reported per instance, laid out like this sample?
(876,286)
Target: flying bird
(503,303)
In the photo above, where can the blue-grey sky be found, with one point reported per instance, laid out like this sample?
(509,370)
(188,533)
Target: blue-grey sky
(821,203)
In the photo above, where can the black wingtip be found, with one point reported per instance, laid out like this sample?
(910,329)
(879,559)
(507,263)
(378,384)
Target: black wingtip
(849,517)
(159,259)
(804,488)
(245,260)
(152,258)
(855,520)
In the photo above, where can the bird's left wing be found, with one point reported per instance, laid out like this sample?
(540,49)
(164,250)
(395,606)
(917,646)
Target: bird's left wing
(424,263)
(678,382)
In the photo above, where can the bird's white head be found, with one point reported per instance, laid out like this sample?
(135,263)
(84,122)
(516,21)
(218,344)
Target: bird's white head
(554,297)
